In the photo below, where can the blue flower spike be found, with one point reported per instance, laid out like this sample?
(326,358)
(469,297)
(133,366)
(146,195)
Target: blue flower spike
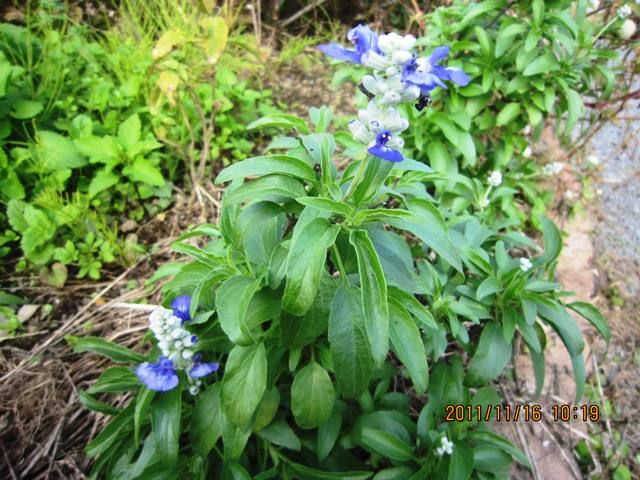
(397,76)
(181,307)
(160,376)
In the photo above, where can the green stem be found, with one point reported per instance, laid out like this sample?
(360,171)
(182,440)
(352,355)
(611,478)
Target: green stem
(356,178)
(605,28)
(336,253)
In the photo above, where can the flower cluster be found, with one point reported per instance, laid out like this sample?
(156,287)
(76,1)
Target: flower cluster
(495,179)
(446,447)
(176,344)
(552,169)
(525,264)
(398,76)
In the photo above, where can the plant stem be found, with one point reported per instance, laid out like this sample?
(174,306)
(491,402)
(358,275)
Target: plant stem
(336,253)
(606,27)
(356,178)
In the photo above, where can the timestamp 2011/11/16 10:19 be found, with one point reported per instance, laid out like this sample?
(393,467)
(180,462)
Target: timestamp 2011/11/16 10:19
(513,413)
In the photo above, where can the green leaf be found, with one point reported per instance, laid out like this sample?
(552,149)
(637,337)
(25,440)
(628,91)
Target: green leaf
(380,215)
(593,315)
(407,344)
(101,181)
(115,379)
(144,171)
(375,173)
(115,352)
(91,403)
(295,331)
(24,109)
(232,301)
(490,438)
(328,434)
(280,121)
(129,131)
(508,113)
(301,472)
(143,401)
(267,165)
(395,259)
(267,409)
(463,141)
(543,64)
(166,410)
(373,287)
(280,433)
(206,421)
(575,107)
(306,262)
(312,396)
(489,286)
(57,152)
(461,463)
(414,307)
(386,445)
(504,40)
(244,383)
(538,11)
(428,225)
(491,356)
(352,360)
(327,205)
(552,239)
(110,434)
(275,188)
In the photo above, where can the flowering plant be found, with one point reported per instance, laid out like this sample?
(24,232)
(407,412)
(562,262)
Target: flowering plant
(346,309)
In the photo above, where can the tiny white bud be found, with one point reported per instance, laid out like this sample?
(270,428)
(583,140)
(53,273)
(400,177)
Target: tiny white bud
(495,179)
(624,11)
(527,152)
(525,264)
(193,390)
(187,354)
(628,29)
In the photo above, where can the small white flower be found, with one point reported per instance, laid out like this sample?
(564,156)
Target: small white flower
(527,130)
(527,152)
(593,161)
(176,333)
(552,169)
(624,11)
(570,195)
(446,447)
(187,354)
(495,179)
(628,29)
(193,390)
(525,264)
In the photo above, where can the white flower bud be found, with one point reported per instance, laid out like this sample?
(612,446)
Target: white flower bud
(525,264)
(624,11)
(527,152)
(187,354)
(628,29)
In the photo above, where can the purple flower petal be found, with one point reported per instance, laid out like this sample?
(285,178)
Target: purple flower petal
(456,75)
(203,369)
(386,153)
(181,307)
(427,81)
(364,39)
(439,54)
(159,376)
(336,51)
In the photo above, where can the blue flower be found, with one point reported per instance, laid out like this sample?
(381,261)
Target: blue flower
(203,369)
(382,150)
(361,36)
(181,307)
(159,376)
(427,74)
